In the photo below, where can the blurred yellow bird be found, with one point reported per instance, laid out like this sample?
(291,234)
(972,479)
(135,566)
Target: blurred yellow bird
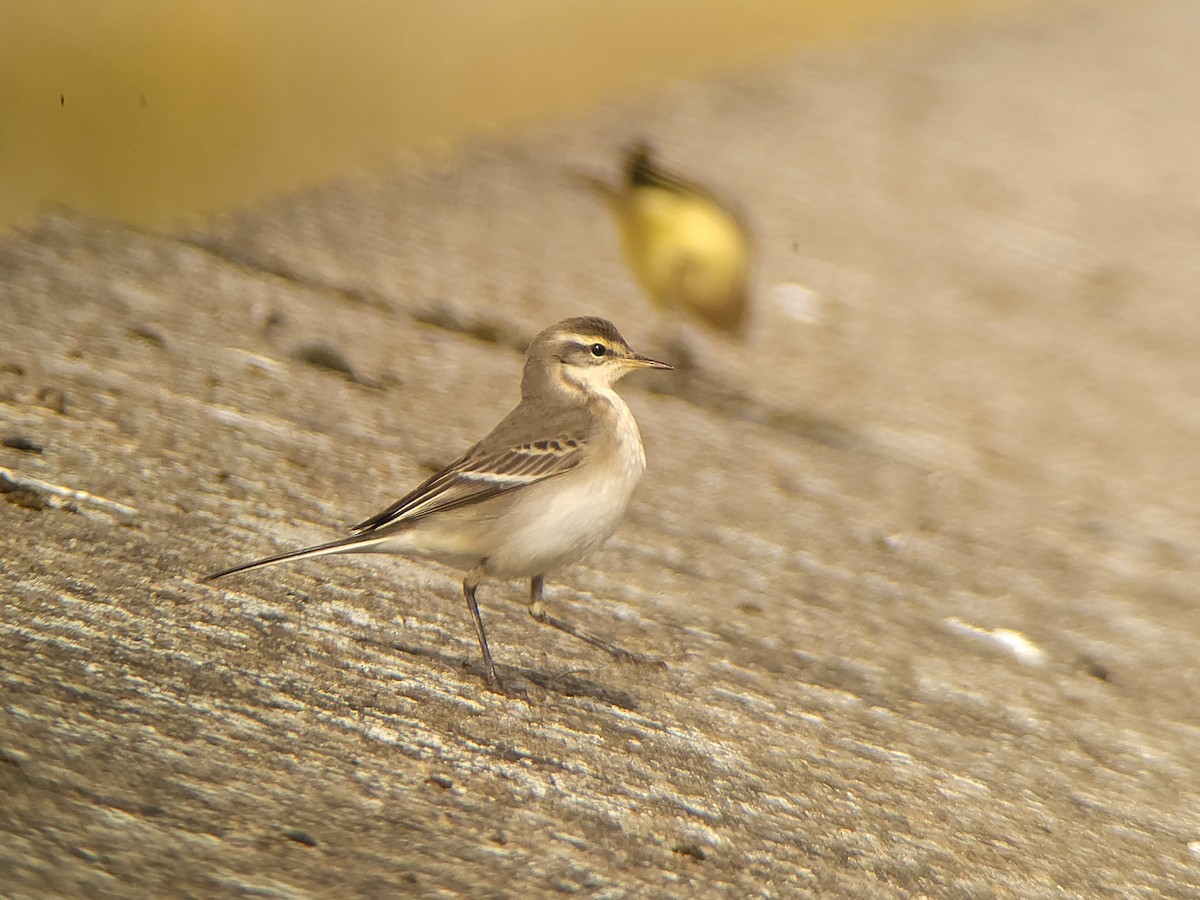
(689,251)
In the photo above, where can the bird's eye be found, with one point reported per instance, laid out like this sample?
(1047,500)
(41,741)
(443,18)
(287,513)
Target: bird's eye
(598,349)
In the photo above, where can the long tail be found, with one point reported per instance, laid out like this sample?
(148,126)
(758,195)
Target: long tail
(341,545)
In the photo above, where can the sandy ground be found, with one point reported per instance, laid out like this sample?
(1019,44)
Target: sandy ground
(920,555)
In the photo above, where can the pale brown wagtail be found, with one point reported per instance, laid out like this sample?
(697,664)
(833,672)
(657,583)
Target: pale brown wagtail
(543,490)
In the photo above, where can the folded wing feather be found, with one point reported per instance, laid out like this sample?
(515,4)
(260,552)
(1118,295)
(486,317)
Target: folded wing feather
(479,475)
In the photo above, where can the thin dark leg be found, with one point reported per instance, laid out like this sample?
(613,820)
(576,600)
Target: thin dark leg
(539,614)
(470,583)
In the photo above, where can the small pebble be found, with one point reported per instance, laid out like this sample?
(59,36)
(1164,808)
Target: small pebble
(695,851)
(300,837)
(20,442)
(148,334)
(325,356)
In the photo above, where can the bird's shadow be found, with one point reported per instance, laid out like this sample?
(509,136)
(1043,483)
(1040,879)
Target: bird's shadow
(567,684)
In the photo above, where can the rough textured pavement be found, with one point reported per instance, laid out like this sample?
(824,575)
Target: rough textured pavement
(921,555)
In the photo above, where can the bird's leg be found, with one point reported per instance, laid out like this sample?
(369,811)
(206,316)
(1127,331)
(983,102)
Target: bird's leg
(470,583)
(539,614)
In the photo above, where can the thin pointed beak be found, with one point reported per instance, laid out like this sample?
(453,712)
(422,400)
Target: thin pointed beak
(644,362)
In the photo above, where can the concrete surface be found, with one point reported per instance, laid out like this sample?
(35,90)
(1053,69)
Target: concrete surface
(921,555)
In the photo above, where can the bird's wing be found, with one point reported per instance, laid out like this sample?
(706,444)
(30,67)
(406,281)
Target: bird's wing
(485,471)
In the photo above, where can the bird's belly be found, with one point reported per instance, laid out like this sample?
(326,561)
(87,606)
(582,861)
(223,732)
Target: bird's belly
(563,519)
(685,253)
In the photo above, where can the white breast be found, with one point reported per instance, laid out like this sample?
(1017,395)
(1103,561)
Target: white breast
(563,519)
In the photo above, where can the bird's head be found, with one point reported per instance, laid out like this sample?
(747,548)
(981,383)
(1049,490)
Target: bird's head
(584,353)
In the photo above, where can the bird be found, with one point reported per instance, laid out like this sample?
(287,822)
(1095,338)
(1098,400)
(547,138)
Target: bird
(546,487)
(689,250)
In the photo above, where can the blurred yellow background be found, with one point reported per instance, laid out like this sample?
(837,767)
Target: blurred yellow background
(153,112)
